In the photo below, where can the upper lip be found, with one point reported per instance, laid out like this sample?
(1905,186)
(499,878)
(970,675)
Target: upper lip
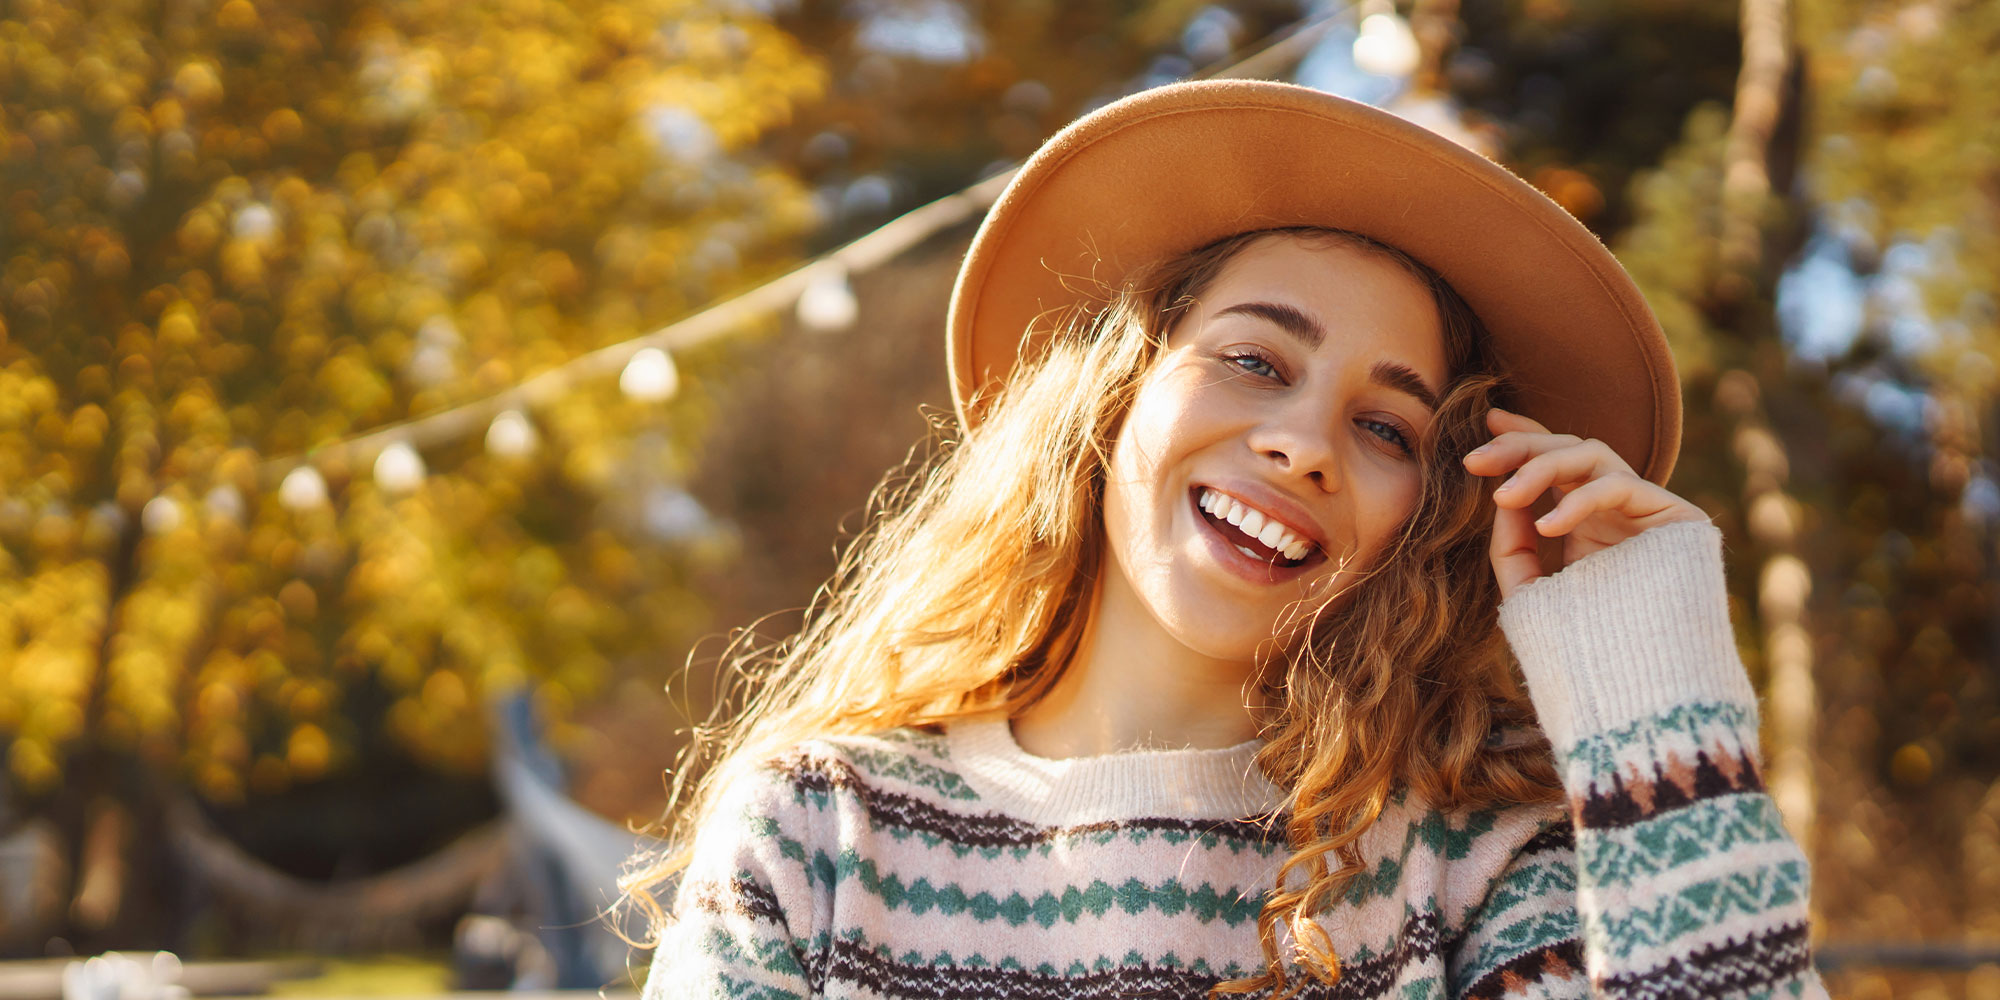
(1273,504)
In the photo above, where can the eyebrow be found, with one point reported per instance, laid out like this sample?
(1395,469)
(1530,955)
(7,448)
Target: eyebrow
(1285,317)
(1404,379)
(1388,374)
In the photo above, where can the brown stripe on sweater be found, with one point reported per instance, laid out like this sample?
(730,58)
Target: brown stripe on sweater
(1559,837)
(740,896)
(1759,961)
(877,970)
(820,776)
(1560,960)
(1673,784)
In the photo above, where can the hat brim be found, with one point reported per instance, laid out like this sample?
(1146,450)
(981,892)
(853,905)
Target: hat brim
(1172,169)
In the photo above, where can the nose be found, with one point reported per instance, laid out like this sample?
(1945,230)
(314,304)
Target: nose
(1300,442)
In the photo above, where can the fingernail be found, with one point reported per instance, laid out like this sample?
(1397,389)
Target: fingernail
(1546,518)
(1504,487)
(1481,450)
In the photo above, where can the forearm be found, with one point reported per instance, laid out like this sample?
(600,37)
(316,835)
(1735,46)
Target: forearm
(1687,882)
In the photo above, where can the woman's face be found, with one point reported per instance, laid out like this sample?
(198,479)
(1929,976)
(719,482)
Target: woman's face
(1287,405)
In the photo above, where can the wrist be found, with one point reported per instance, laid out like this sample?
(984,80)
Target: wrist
(1627,633)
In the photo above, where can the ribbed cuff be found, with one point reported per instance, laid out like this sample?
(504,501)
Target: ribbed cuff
(1628,632)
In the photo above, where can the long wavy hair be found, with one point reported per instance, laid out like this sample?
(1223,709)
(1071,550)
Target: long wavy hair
(968,591)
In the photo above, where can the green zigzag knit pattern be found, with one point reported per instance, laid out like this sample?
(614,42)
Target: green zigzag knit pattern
(911,865)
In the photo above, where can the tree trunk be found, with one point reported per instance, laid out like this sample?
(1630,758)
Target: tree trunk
(1764,100)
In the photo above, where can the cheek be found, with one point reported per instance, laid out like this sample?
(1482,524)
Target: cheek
(1178,410)
(1391,506)
(1128,489)
(1152,444)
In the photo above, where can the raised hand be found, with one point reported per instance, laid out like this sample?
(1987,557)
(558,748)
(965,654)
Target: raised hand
(1603,502)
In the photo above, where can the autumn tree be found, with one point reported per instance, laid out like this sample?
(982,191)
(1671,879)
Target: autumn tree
(232,236)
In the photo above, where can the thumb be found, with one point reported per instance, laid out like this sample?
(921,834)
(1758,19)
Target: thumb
(1515,553)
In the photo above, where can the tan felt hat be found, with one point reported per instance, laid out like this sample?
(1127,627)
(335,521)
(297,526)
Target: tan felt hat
(1171,169)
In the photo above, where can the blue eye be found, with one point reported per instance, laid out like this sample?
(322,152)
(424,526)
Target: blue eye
(1252,364)
(1390,433)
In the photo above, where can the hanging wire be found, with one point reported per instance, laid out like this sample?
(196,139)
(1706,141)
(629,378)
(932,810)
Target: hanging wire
(1282,49)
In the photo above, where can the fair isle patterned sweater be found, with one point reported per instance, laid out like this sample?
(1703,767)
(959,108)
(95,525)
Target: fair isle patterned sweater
(956,865)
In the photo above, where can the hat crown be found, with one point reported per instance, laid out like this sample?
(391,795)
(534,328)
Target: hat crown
(1171,169)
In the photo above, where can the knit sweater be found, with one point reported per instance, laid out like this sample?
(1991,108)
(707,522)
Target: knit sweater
(956,865)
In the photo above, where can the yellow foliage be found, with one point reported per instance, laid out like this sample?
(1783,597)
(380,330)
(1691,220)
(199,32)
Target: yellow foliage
(308,751)
(324,197)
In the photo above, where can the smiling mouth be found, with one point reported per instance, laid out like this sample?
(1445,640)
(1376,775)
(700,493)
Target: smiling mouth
(1251,532)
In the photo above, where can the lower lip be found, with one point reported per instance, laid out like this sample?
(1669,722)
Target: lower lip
(1246,567)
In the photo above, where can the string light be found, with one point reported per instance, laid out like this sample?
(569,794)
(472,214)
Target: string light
(819,292)
(828,304)
(303,489)
(511,436)
(650,377)
(399,469)
(1386,46)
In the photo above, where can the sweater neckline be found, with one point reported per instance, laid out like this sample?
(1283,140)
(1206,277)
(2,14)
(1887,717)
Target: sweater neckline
(1168,784)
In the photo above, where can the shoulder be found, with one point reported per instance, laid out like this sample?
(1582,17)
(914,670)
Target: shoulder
(802,787)
(1506,894)
(907,762)
(1478,857)
(787,818)
(1492,840)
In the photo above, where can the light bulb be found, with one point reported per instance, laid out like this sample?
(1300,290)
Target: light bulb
(649,377)
(828,304)
(511,435)
(303,489)
(399,469)
(1386,46)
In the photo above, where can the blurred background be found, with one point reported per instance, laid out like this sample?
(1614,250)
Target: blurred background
(402,401)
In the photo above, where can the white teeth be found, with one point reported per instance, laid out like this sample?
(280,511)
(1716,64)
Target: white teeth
(1253,523)
(1266,530)
(1272,533)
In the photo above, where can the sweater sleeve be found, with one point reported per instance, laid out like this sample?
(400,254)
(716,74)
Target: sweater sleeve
(745,914)
(1686,883)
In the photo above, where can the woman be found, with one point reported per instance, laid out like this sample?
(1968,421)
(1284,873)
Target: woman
(1187,670)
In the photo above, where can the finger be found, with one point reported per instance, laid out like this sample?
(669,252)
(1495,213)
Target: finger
(1482,460)
(1510,450)
(1563,468)
(1627,495)
(1501,421)
(1516,560)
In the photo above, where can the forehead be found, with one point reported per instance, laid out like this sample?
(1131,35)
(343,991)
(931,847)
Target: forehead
(1362,297)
